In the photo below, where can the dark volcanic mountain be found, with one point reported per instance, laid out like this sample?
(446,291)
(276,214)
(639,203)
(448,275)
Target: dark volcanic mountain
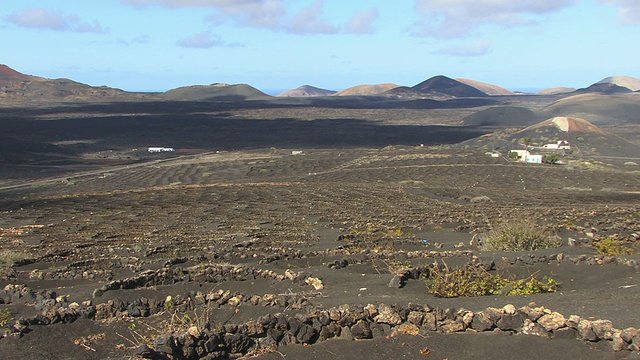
(307,91)
(604,88)
(218,91)
(437,87)
(444,85)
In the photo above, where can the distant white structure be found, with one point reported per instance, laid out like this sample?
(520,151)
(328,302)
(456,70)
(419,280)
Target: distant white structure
(526,156)
(535,159)
(297,152)
(161,149)
(560,145)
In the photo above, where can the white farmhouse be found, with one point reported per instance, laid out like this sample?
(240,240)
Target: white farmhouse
(560,145)
(161,149)
(526,156)
(535,159)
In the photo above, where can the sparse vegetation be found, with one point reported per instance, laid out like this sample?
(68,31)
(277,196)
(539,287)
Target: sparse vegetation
(471,281)
(611,246)
(481,199)
(551,158)
(12,256)
(5,317)
(519,235)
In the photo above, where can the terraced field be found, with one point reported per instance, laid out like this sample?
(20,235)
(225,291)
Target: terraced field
(248,253)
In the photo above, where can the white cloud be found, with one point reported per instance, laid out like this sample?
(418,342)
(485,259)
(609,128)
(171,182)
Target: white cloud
(270,14)
(43,18)
(362,22)
(459,18)
(628,12)
(479,48)
(310,21)
(255,13)
(204,40)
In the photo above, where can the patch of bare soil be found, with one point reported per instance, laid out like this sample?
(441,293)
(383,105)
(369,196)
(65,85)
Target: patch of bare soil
(314,253)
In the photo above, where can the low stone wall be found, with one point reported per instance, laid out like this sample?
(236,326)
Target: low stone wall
(211,341)
(359,323)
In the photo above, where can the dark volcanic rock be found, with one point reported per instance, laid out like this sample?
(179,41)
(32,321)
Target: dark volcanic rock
(509,322)
(361,330)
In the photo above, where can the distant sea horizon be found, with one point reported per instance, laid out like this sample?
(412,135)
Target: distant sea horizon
(527,90)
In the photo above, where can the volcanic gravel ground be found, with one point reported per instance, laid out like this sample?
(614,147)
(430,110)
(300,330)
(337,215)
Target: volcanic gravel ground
(197,225)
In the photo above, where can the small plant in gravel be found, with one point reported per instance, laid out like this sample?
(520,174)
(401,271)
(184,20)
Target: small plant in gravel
(5,317)
(13,256)
(611,246)
(471,281)
(519,235)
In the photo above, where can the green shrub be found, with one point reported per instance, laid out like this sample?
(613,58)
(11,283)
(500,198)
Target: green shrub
(13,256)
(5,317)
(551,158)
(519,235)
(612,247)
(471,281)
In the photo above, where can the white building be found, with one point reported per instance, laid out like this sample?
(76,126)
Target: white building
(526,156)
(560,145)
(161,149)
(535,159)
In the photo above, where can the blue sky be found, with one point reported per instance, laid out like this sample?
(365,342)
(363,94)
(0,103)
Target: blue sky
(156,45)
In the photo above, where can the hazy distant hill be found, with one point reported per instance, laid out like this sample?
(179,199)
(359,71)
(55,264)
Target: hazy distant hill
(307,91)
(365,90)
(629,82)
(556,90)
(486,88)
(437,87)
(218,91)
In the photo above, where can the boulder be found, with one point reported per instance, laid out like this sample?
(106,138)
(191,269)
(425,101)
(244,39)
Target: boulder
(482,322)
(416,317)
(586,331)
(531,328)
(603,329)
(509,322)
(238,343)
(361,330)
(405,329)
(388,315)
(553,321)
(429,322)
(451,326)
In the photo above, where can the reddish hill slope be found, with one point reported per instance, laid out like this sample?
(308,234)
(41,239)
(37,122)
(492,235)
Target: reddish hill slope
(366,90)
(486,88)
(307,91)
